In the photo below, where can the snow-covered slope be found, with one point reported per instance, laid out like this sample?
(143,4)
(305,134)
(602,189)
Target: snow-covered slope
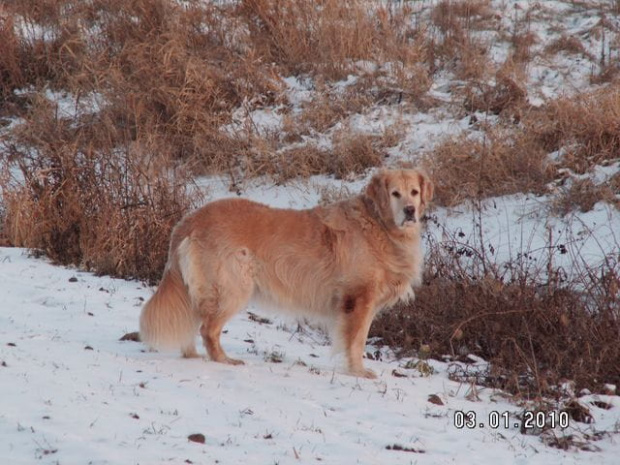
(72,393)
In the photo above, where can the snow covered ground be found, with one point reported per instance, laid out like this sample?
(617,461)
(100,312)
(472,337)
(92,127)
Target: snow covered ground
(71,392)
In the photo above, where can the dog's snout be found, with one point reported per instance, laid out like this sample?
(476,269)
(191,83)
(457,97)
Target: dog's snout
(409,211)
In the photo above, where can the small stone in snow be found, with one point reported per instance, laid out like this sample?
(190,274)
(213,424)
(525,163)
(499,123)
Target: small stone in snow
(199,438)
(435,399)
(135,337)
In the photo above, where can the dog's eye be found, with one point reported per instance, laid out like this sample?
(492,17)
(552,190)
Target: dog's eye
(396,194)
(414,192)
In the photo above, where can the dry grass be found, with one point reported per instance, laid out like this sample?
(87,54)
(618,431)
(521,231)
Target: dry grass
(350,154)
(585,127)
(522,44)
(453,45)
(331,106)
(535,332)
(355,153)
(108,210)
(505,96)
(499,162)
(567,44)
(329,36)
(508,158)
(583,194)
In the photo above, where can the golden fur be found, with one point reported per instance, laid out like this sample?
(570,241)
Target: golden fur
(341,263)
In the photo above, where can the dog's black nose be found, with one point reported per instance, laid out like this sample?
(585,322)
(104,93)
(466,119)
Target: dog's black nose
(409,211)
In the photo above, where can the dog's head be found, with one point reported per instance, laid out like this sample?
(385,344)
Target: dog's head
(400,196)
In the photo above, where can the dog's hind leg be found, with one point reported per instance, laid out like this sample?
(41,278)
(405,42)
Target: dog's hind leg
(211,331)
(230,293)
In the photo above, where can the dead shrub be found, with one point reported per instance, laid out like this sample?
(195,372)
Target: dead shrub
(534,333)
(569,44)
(354,153)
(106,209)
(164,70)
(505,95)
(608,74)
(327,37)
(583,194)
(331,106)
(11,74)
(452,15)
(454,46)
(522,43)
(40,45)
(499,162)
(171,75)
(585,127)
(351,154)
(510,158)
(304,161)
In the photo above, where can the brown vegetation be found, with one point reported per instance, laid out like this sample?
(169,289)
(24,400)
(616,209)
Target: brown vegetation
(106,209)
(499,162)
(586,127)
(509,158)
(534,329)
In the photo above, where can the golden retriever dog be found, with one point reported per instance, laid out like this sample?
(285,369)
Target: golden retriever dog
(340,263)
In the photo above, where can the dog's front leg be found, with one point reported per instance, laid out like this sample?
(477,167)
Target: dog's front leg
(357,313)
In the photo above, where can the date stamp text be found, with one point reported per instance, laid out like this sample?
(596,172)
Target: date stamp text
(527,420)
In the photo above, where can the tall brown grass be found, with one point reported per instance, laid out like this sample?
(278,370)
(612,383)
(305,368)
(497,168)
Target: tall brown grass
(329,36)
(499,161)
(107,209)
(584,131)
(454,45)
(586,127)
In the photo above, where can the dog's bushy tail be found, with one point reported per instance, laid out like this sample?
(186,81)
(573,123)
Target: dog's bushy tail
(167,320)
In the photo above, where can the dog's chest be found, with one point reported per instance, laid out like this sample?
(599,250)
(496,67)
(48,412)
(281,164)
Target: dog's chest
(395,281)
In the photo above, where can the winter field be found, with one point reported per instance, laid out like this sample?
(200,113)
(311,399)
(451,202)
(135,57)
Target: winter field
(116,118)
(73,393)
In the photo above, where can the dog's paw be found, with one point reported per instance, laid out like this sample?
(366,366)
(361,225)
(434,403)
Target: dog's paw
(409,296)
(363,373)
(233,361)
(190,352)
(228,361)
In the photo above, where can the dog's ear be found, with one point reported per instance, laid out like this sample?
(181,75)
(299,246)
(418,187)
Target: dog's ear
(427,189)
(377,191)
